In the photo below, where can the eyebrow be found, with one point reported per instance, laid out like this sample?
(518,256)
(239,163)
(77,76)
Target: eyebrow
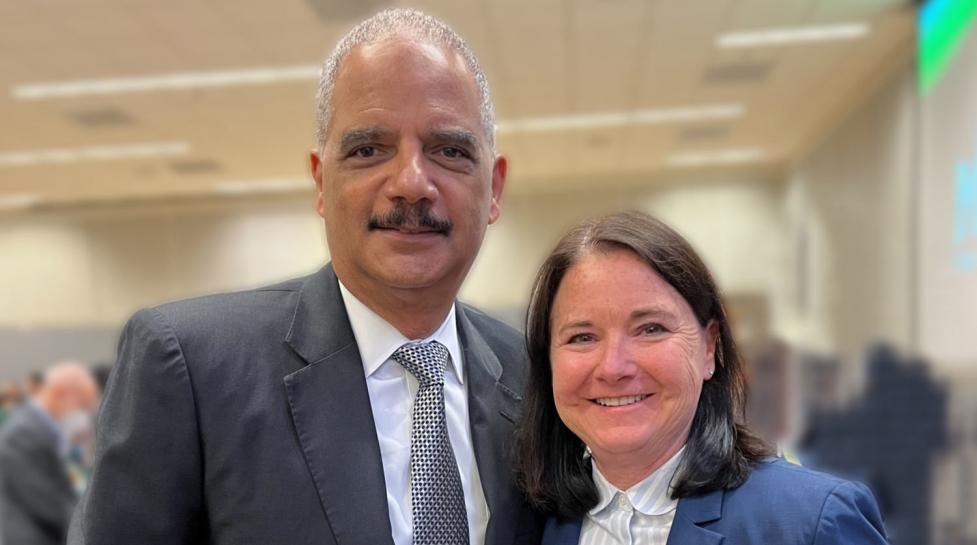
(651,312)
(457,137)
(355,137)
(648,312)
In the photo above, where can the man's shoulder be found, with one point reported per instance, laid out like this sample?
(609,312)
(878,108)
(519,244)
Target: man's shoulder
(254,304)
(24,428)
(496,333)
(229,315)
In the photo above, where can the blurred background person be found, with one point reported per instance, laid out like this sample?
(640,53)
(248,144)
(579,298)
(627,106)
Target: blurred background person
(33,382)
(11,397)
(37,488)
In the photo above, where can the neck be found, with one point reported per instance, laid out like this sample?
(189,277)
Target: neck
(625,471)
(415,313)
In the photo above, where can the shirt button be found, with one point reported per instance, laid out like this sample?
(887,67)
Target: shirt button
(623,503)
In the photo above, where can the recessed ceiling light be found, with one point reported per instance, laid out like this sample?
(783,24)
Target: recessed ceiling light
(792,35)
(93,153)
(165,82)
(681,114)
(18,201)
(273,185)
(730,156)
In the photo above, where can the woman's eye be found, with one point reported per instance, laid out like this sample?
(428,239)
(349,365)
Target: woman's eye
(580,338)
(652,329)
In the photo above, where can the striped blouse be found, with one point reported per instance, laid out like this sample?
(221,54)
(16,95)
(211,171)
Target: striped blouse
(641,515)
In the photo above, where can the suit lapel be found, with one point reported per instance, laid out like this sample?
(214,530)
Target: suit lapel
(562,531)
(330,407)
(690,514)
(492,410)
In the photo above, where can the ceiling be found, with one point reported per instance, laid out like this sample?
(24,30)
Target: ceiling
(570,79)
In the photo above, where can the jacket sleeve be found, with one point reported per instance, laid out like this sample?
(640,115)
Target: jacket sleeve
(146,485)
(850,516)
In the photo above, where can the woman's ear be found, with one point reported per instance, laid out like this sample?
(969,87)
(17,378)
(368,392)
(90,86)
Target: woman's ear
(712,337)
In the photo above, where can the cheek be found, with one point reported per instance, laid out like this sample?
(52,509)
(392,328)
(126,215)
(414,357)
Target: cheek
(569,376)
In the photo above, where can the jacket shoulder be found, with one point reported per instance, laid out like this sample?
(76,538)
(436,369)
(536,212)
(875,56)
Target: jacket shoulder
(246,309)
(497,333)
(788,499)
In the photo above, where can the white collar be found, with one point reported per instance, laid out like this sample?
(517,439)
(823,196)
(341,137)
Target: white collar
(377,340)
(650,496)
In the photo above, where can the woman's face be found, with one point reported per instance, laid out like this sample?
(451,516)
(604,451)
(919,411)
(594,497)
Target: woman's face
(629,359)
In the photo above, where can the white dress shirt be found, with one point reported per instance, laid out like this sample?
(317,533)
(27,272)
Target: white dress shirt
(392,389)
(642,515)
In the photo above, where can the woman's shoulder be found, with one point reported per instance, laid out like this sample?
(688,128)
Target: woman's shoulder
(802,506)
(783,485)
(771,471)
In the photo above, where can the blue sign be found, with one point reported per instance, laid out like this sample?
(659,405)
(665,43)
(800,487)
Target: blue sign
(965,215)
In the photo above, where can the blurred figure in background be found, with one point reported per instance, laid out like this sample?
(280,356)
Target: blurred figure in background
(33,383)
(10,398)
(37,494)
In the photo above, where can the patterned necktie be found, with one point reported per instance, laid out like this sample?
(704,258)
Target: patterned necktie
(438,501)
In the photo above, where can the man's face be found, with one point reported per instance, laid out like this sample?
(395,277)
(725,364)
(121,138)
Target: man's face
(406,182)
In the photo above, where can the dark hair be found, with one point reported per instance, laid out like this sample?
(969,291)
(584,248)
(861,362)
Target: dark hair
(550,464)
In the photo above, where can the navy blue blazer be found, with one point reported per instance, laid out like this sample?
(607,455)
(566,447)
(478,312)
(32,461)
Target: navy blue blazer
(779,503)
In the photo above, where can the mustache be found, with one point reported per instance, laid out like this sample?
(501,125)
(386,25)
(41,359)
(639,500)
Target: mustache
(410,216)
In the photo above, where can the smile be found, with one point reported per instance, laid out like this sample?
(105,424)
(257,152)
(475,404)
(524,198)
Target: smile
(619,401)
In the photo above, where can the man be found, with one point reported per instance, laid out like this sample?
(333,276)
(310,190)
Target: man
(36,492)
(303,412)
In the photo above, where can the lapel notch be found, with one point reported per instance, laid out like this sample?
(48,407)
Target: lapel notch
(691,513)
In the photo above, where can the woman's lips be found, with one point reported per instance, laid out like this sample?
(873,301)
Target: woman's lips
(620,401)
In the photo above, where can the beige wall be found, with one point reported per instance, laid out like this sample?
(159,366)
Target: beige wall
(96,267)
(848,205)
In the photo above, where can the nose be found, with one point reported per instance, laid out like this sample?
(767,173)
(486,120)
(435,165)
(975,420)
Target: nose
(616,362)
(412,179)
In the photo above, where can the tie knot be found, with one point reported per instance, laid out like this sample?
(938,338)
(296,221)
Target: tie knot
(426,361)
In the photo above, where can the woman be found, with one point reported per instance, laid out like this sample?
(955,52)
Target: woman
(632,427)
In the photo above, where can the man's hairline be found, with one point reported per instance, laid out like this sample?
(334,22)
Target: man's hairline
(488,133)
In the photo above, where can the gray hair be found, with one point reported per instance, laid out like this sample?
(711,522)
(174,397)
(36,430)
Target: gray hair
(388,24)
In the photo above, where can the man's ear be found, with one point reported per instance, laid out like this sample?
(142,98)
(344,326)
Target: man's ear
(315,162)
(499,171)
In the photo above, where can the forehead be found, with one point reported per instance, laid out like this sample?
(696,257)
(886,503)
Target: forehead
(399,81)
(617,280)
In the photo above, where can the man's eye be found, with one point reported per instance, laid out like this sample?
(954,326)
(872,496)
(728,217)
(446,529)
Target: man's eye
(453,153)
(364,152)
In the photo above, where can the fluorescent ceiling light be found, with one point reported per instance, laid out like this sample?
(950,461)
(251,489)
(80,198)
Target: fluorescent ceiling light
(792,35)
(94,153)
(721,157)
(682,114)
(18,200)
(186,80)
(273,185)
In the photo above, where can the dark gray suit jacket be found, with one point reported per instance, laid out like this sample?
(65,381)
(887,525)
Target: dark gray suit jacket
(36,496)
(244,418)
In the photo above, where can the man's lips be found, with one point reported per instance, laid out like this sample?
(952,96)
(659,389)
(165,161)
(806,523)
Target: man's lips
(411,231)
